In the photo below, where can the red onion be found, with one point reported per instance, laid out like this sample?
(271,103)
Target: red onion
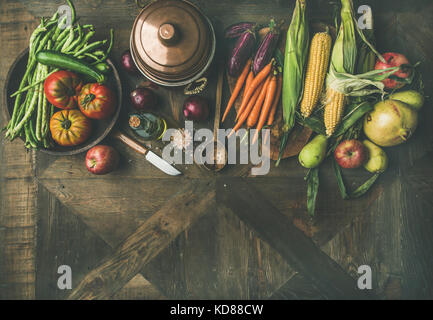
(143,99)
(128,63)
(196,108)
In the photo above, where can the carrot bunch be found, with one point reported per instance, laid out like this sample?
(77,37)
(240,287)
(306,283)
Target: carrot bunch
(260,100)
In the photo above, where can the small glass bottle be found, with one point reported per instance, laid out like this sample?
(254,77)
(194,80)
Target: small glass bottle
(147,125)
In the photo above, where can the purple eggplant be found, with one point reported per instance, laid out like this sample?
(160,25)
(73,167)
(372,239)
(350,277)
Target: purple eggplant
(267,48)
(236,30)
(243,50)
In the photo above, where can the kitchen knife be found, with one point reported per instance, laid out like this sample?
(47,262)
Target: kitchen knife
(154,159)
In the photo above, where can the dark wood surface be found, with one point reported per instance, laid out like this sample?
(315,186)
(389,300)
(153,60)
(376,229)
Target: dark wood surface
(139,234)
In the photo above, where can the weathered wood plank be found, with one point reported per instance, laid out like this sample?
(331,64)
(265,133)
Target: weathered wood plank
(111,208)
(138,288)
(219,257)
(297,288)
(17,189)
(303,255)
(63,239)
(146,242)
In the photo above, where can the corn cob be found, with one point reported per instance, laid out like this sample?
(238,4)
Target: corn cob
(343,60)
(335,102)
(318,61)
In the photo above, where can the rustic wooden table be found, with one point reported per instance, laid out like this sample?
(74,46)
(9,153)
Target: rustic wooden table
(139,234)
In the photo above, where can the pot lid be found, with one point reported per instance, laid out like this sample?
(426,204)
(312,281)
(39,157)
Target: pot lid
(171,39)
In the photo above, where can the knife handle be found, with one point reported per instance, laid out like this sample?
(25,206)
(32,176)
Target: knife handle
(129,142)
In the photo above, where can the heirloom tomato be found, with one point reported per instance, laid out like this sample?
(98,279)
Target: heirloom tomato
(62,88)
(70,127)
(96,101)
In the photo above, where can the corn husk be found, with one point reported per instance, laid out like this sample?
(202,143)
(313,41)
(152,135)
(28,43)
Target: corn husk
(295,58)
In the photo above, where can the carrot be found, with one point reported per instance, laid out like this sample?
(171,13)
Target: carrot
(247,110)
(254,115)
(270,97)
(238,87)
(260,77)
(276,100)
(248,82)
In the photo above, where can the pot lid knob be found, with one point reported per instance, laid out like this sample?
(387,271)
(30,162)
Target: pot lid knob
(168,34)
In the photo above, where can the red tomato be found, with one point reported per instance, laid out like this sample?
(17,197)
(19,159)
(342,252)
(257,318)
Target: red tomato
(62,88)
(96,101)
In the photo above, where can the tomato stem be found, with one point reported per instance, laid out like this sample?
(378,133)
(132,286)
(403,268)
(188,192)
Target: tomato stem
(89,98)
(66,124)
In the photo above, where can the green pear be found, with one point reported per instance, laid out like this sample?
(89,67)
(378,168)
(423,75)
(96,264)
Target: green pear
(377,160)
(313,152)
(411,97)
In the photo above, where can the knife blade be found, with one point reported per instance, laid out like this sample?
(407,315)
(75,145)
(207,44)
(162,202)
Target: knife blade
(161,164)
(154,159)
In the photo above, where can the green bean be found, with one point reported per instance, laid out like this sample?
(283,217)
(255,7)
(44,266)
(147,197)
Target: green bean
(90,55)
(24,80)
(22,109)
(60,44)
(32,133)
(90,47)
(99,53)
(29,69)
(27,135)
(85,41)
(340,181)
(62,35)
(76,41)
(30,139)
(46,143)
(44,120)
(40,106)
(104,57)
(59,31)
(361,190)
(72,11)
(69,39)
(29,110)
(18,98)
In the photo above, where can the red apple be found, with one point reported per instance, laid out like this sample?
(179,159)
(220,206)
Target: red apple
(350,154)
(394,60)
(102,159)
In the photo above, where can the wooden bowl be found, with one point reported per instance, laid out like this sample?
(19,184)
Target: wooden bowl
(100,128)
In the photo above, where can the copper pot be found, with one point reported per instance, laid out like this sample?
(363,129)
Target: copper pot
(172,42)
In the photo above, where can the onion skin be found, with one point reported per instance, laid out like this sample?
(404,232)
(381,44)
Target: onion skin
(266,50)
(243,49)
(196,108)
(236,30)
(391,123)
(128,63)
(143,99)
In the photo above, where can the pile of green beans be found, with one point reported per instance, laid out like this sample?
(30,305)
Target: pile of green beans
(32,112)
